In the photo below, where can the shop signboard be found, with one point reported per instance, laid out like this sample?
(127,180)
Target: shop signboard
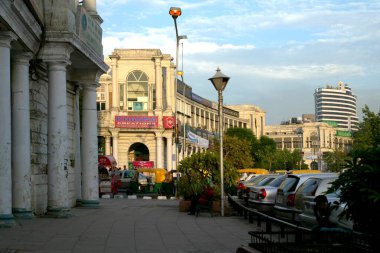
(136,121)
(142,164)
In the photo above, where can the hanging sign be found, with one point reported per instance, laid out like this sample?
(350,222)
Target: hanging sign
(168,122)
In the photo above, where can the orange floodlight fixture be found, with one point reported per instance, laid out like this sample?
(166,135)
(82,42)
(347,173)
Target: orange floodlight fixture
(175,12)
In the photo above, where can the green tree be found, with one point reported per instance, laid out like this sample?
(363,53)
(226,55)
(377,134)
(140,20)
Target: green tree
(287,160)
(368,135)
(241,133)
(237,152)
(336,160)
(197,171)
(264,152)
(359,185)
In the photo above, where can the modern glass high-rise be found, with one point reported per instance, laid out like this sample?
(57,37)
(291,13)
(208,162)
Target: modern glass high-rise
(336,105)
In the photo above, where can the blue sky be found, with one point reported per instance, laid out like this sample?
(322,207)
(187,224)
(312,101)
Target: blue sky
(277,52)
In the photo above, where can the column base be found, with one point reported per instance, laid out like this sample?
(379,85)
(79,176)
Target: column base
(22,213)
(92,204)
(58,213)
(6,221)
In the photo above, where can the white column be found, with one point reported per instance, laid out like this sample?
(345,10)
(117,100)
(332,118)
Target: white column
(21,165)
(90,182)
(169,153)
(107,95)
(58,205)
(115,145)
(108,145)
(6,217)
(159,151)
(115,88)
(169,88)
(158,69)
(78,160)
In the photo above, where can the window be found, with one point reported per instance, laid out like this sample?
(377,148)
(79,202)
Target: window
(137,91)
(100,99)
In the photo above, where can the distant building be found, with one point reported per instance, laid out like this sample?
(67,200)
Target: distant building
(313,139)
(308,118)
(138,107)
(336,105)
(255,116)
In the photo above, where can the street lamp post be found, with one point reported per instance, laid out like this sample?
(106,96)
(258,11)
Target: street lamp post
(175,12)
(219,80)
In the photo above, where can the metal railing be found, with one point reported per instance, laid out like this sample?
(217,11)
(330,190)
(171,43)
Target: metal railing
(275,235)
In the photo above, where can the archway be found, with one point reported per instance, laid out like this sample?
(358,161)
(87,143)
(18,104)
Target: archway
(138,152)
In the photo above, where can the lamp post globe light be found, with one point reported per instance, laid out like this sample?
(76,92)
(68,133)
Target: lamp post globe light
(175,12)
(219,80)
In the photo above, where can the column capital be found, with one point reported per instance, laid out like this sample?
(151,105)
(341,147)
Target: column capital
(87,77)
(159,134)
(56,52)
(6,38)
(157,59)
(114,58)
(115,133)
(21,57)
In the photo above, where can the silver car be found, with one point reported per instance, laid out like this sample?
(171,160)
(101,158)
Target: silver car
(304,202)
(266,179)
(284,205)
(263,197)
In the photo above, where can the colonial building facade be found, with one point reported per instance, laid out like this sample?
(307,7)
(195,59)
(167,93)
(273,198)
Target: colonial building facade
(144,121)
(314,139)
(50,61)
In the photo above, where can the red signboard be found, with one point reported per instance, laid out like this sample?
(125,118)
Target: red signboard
(136,121)
(143,164)
(169,121)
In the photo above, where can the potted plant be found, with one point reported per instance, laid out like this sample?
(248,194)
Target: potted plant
(196,172)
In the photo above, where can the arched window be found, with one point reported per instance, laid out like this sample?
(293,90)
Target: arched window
(137,91)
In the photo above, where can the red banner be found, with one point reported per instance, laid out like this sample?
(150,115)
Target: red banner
(169,121)
(136,121)
(142,164)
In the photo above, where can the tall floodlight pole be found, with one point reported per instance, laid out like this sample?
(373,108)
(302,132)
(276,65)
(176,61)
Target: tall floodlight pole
(219,80)
(175,12)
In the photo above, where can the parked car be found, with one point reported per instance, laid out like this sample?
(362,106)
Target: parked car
(260,181)
(263,197)
(305,202)
(242,186)
(127,180)
(284,205)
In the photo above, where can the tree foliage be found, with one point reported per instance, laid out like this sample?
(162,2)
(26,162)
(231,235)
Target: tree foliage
(197,170)
(359,185)
(287,160)
(264,152)
(336,160)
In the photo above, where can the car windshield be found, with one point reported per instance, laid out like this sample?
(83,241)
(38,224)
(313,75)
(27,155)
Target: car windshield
(255,179)
(276,182)
(265,181)
(289,184)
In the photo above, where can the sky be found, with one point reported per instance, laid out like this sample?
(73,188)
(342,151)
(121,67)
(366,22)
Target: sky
(276,52)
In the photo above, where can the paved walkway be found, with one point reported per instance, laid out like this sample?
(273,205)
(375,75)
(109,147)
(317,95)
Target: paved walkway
(128,225)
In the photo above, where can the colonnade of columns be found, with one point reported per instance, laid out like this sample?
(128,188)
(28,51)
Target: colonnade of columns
(15,139)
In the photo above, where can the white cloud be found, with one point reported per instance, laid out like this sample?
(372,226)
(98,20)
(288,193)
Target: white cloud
(285,72)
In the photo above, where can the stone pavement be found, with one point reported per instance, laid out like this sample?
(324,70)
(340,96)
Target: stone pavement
(128,225)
